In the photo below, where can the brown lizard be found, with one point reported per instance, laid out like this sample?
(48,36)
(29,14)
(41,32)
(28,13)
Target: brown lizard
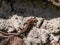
(28,23)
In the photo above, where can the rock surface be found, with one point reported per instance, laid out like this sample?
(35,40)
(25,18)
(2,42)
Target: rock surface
(43,32)
(15,16)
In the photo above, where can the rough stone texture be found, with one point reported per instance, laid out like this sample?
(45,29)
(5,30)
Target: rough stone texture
(16,23)
(11,24)
(52,25)
(15,13)
(40,36)
(43,32)
(40,22)
(55,2)
(36,36)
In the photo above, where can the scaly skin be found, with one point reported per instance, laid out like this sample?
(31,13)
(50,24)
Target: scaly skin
(28,23)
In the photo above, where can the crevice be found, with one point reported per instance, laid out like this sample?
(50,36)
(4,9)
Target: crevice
(41,23)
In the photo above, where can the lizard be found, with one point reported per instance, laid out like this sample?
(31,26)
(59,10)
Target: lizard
(28,23)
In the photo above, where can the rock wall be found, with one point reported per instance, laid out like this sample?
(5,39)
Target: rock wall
(28,8)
